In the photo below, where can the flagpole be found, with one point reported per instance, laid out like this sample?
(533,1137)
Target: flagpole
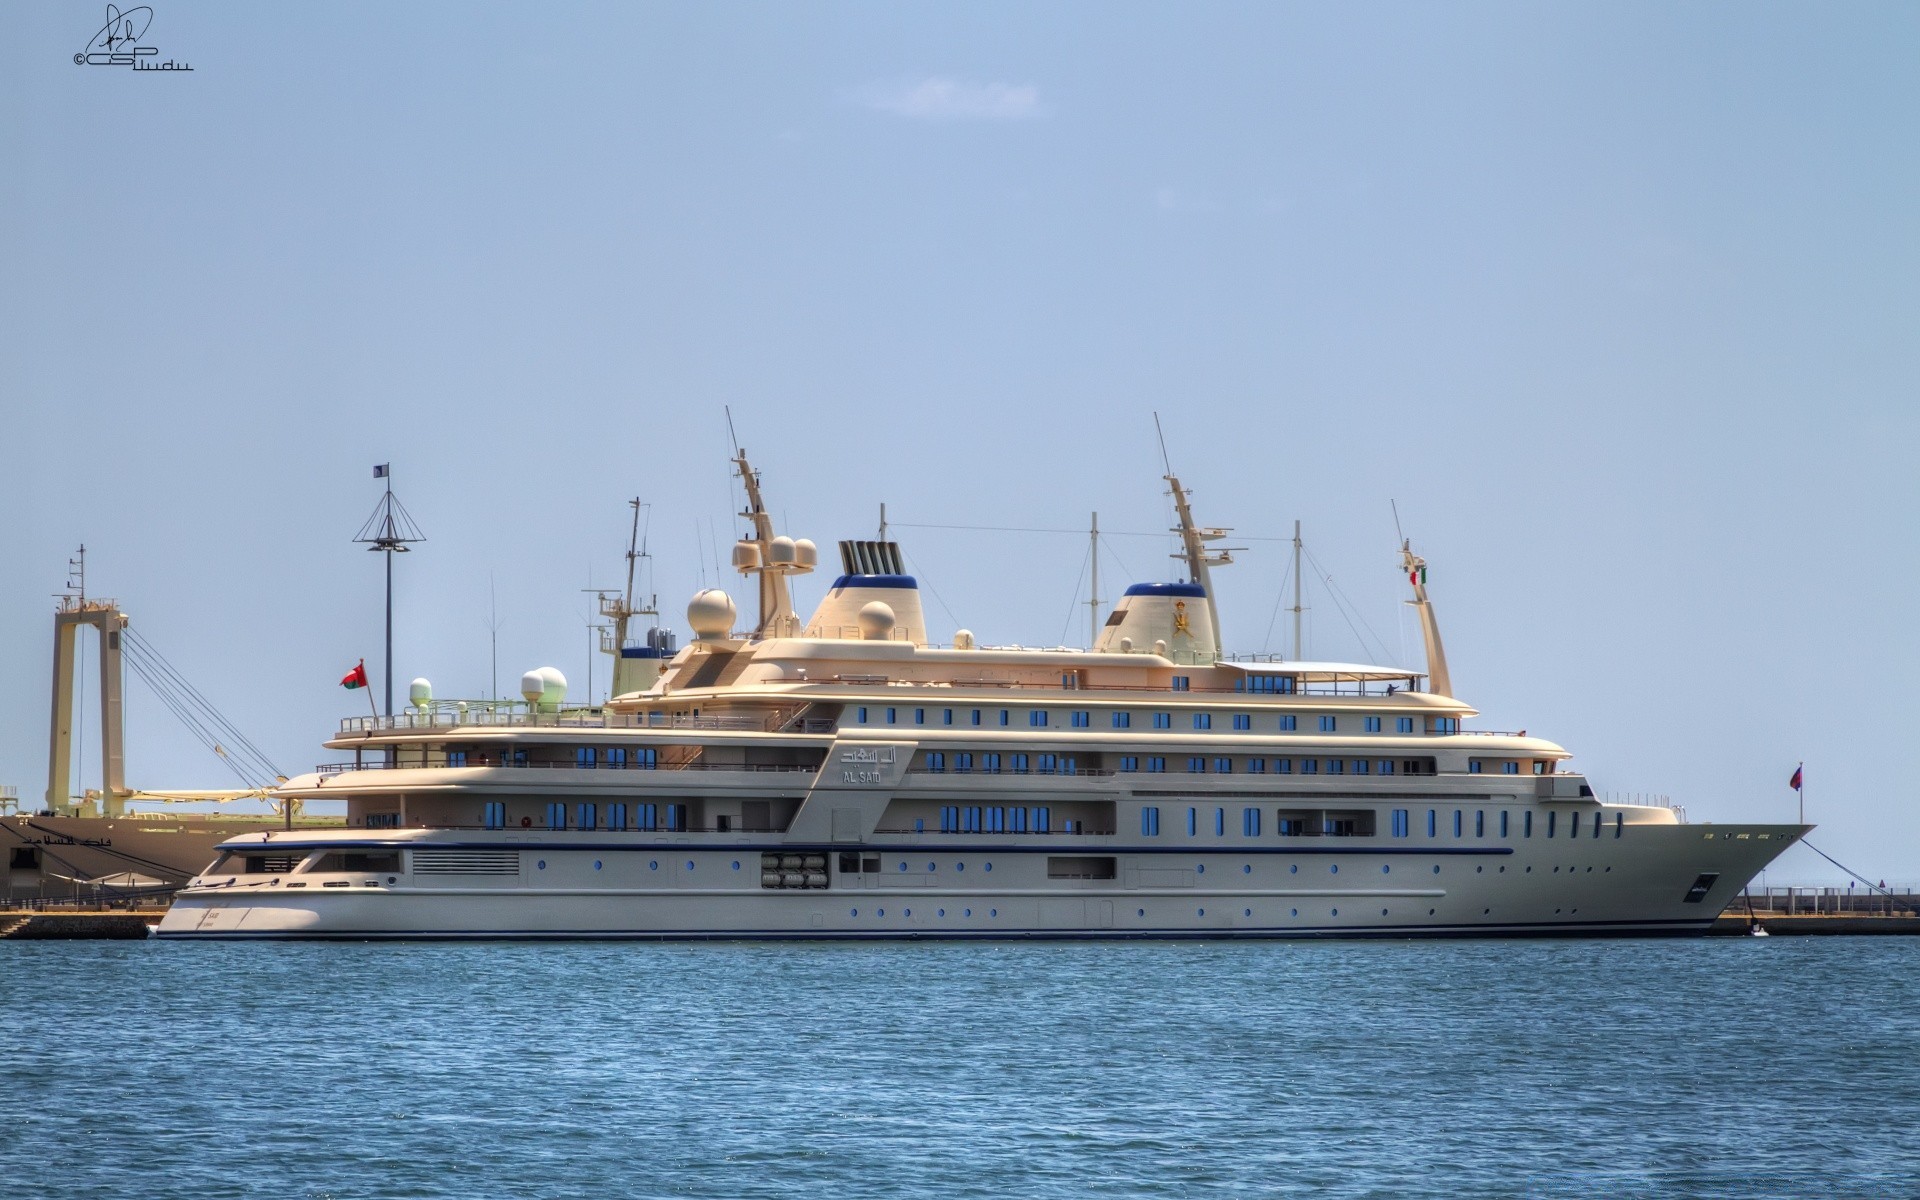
(363,675)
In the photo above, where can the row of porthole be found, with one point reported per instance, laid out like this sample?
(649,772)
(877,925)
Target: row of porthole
(907,912)
(959,866)
(1199,868)
(652,864)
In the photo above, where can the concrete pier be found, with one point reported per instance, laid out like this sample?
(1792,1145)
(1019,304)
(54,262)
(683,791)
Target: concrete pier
(78,926)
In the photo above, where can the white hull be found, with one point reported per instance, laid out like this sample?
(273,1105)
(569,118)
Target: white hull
(582,885)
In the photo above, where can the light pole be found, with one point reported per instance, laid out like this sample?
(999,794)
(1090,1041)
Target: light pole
(392,530)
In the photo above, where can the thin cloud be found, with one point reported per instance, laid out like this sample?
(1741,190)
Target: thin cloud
(939,99)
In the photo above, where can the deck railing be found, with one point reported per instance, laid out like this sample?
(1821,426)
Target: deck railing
(344,768)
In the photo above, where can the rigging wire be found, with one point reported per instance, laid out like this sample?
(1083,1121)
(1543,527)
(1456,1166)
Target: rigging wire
(232,732)
(920,576)
(1266,643)
(1040,529)
(1849,870)
(1341,602)
(198,714)
(1073,602)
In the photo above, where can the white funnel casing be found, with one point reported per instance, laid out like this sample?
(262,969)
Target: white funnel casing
(1174,614)
(840,614)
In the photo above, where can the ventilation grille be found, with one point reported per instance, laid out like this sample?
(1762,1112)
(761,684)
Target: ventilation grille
(871,558)
(466,862)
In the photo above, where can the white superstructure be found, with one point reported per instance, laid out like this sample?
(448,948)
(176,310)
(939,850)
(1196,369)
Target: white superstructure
(845,777)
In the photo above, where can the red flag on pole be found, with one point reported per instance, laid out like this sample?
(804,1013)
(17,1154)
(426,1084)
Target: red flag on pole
(357,678)
(1794,783)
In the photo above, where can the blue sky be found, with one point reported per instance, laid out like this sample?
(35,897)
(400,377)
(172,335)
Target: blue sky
(1616,301)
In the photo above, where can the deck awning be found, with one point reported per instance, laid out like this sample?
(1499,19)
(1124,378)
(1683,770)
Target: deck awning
(1324,671)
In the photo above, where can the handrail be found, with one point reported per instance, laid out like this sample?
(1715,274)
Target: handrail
(348,768)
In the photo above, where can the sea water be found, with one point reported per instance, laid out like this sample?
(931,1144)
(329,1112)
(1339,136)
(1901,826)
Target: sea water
(1714,1067)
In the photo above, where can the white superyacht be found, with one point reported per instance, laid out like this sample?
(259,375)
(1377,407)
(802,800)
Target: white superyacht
(845,777)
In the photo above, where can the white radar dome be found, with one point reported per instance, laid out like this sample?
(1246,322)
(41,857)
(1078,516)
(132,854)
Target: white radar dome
(876,620)
(555,685)
(420,693)
(710,613)
(780,550)
(746,555)
(806,553)
(963,640)
(532,684)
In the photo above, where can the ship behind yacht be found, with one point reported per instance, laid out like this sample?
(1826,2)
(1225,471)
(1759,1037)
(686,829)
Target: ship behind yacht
(847,777)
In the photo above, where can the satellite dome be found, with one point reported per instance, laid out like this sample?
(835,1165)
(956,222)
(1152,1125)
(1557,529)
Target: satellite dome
(532,684)
(876,620)
(710,613)
(781,549)
(963,639)
(419,693)
(805,553)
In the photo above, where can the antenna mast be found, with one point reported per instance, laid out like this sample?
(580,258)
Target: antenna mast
(1439,681)
(1193,543)
(1093,581)
(1299,653)
(390,530)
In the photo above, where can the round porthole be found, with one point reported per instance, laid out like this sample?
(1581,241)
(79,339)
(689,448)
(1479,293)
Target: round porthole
(653,865)
(596,864)
(1478,870)
(988,867)
(1246,868)
(1333,869)
(993,912)
(1294,869)
(906,912)
(1249,912)
(1202,912)
(903,866)
(542,864)
(1485,911)
(879,912)
(967,913)
(941,913)
(1336,912)
(1143,912)
(1293,912)
(1429,912)
(1436,868)
(929,866)
(1529,870)
(1385,869)
(689,864)
(736,864)
(1200,868)
(959,866)
(853,912)
(1383,912)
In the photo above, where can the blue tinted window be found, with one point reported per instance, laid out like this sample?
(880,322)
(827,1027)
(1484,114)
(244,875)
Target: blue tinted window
(1328,724)
(892,715)
(1373,724)
(1122,720)
(1289,723)
(1129,762)
(1150,821)
(1432,828)
(1283,766)
(1400,822)
(1196,765)
(1193,821)
(1203,720)
(1163,720)
(860,714)
(1181,683)
(1220,822)
(1250,822)
(1456,822)
(1037,718)
(1257,766)
(1156,763)
(1223,765)
(1503,822)
(1403,724)
(1243,721)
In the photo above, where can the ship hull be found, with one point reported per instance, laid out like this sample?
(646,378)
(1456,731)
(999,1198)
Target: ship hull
(1655,881)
